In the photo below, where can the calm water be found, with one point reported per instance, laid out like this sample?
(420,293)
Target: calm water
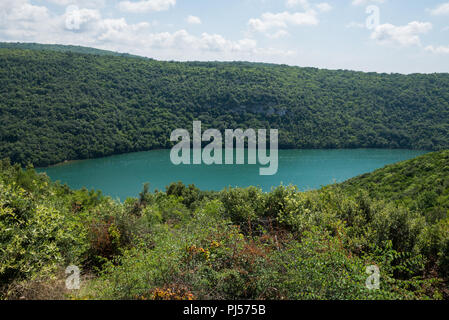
(123,176)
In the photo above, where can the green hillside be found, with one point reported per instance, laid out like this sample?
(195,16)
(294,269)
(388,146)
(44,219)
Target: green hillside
(234,244)
(420,184)
(63,48)
(58,106)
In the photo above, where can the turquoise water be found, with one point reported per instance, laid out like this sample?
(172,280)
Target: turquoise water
(123,176)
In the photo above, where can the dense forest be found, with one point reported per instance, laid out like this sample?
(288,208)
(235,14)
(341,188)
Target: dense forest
(61,103)
(64,48)
(185,243)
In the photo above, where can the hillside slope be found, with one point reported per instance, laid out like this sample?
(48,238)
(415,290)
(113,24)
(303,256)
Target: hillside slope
(58,106)
(420,184)
(63,48)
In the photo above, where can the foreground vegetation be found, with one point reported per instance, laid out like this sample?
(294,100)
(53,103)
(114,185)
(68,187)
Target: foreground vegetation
(235,244)
(63,103)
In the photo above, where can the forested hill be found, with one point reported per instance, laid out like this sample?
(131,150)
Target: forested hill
(63,48)
(58,106)
(420,184)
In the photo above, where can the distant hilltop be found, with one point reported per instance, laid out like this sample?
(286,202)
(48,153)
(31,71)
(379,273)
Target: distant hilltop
(64,48)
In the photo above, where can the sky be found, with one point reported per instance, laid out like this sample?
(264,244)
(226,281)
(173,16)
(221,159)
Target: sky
(393,36)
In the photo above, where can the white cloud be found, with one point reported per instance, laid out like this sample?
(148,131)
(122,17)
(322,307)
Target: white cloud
(19,18)
(21,10)
(364,2)
(91,4)
(21,21)
(182,45)
(324,7)
(442,9)
(77,19)
(193,20)
(270,20)
(283,20)
(118,30)
(407,35)
(307,6)
(278,34)
(146,5)
(438,50)
(216,42)
(303,3)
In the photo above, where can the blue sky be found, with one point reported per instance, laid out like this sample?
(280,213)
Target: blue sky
(370,35)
